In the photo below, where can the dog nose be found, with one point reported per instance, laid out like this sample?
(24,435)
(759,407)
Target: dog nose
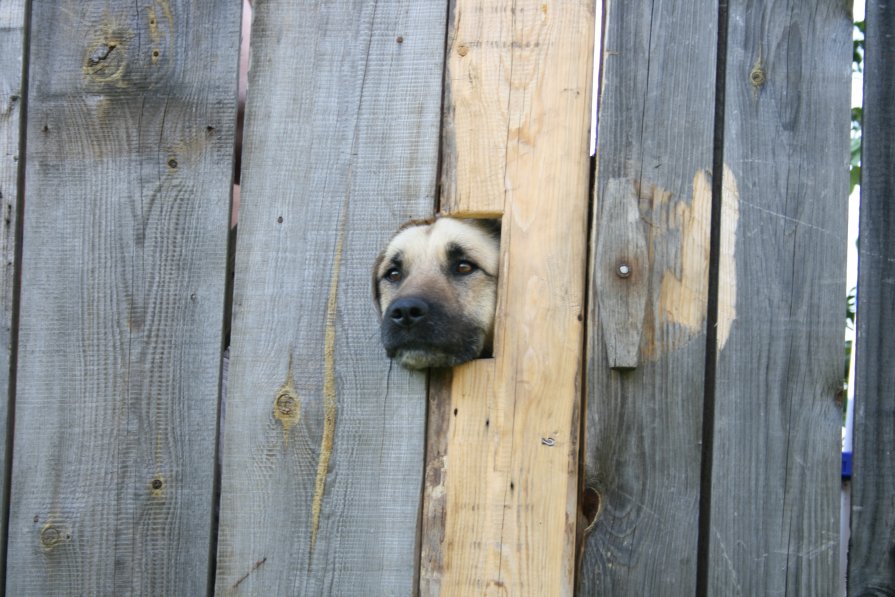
(407,312)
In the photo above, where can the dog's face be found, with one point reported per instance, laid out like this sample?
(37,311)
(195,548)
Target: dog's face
(435,286)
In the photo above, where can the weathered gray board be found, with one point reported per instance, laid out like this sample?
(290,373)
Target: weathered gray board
(775,477)
(872,554)
(128,168)
(644,425)
(12,37)
(323,440)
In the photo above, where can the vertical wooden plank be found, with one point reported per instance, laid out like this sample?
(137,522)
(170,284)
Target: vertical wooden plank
(12,37)
(643,431)
(324,438)
(516,141)
(130,135)
(871,568)
(775,471)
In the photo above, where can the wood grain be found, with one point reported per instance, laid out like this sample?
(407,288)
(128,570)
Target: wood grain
(643,427)
(515,143)
(621,272)
(871,568)
(12,38)
(323,441)
(127,178)
(775,476)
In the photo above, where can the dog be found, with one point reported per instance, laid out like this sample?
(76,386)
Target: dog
(435,288)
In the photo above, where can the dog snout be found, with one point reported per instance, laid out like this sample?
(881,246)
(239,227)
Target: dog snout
(407,312)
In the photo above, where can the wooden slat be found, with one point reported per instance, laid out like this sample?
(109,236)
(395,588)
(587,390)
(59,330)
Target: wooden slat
(12,37)
(871,568)
(130,135)
(516,140)
(324,438)
(643,429)
(775,476)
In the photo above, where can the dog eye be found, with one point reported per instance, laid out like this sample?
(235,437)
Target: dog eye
(393,275)
(464,268)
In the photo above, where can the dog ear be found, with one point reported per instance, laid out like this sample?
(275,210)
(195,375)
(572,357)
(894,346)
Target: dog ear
(376,295)
(490,226)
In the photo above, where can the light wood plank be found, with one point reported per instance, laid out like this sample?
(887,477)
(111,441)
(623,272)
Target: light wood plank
(324,438)
(12,38)
(516,140)
(774,519)
(871,569)
(643,448)
(130,136)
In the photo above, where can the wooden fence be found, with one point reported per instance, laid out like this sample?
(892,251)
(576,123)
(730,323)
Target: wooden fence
(670,428)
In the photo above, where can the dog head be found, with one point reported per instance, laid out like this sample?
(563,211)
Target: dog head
(435,286)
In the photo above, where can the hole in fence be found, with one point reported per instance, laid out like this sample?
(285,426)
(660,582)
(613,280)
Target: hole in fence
(590,505)
(436,288)
(845,397)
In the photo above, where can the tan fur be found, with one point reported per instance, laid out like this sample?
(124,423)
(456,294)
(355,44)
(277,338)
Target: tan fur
(427,254)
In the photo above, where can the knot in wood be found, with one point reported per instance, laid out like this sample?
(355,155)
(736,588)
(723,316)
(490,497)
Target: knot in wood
(101,53)
(757,76)
(50,536)
(286,404)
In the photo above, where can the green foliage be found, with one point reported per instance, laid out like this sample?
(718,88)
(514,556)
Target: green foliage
(850,308)
(857,116)
(857,113)
(850,324)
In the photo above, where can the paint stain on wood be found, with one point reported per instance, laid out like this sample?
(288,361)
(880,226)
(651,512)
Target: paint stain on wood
(683,294)
(329,387)
(727,273)
(286,404)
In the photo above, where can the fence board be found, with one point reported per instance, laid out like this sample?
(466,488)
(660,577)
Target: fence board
(644,425)
(503,484)
(130,136)
(324,439)
(12,37)
(872,551)
(775,474)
